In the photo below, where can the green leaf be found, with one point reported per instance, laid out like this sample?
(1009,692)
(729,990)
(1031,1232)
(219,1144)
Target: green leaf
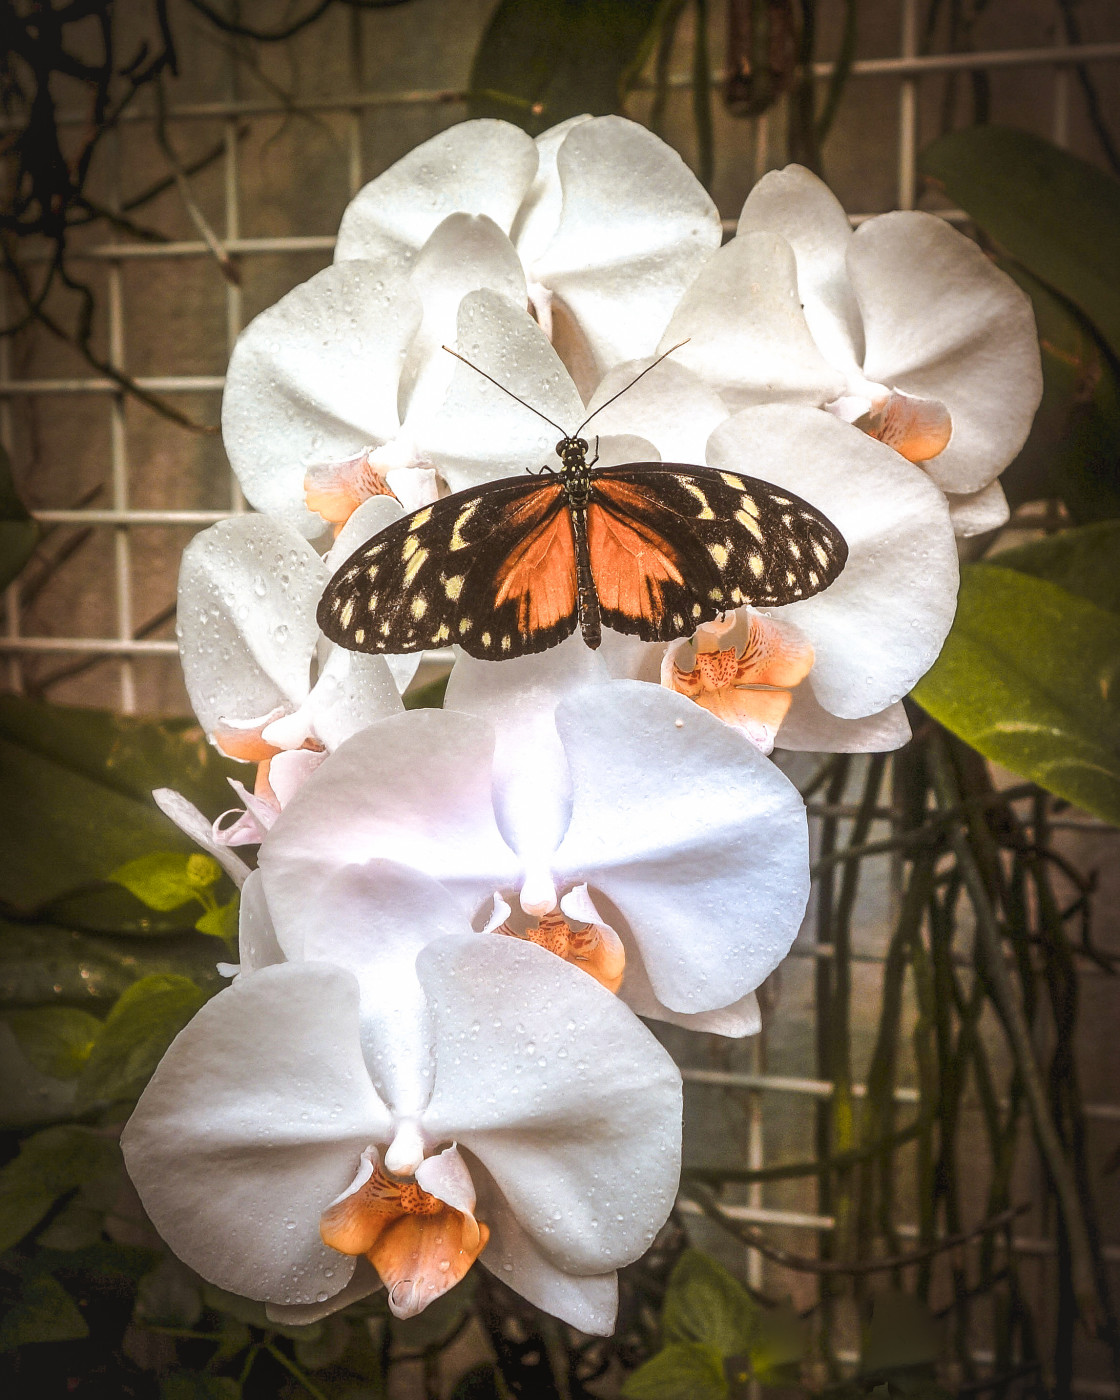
(49,1164)
(541,61)
(143,1023)
(19,534)
(221,922)
(159,880)
(41,963)
(683,1371)
(75,793)
(1028,677)
(168,1295)
(704,1303)
(1073,451)
(109,908)
(780,1343)
(427,697)
(76,1226)
(1085,562)
(1055,214)
(45,1312)
(902,1334)
(56,1039)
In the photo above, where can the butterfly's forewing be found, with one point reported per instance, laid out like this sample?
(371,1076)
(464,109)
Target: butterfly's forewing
(673,546)
(492,569)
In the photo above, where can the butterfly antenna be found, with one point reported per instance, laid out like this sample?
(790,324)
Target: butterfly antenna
(510,392)
(626,388)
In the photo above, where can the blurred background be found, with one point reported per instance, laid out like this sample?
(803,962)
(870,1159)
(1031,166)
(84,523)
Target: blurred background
(170,170)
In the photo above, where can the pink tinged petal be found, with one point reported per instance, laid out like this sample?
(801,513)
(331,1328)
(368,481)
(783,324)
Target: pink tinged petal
(466,253)
(589,1302)
(261,809)
(746,332)
(244,738)
(415,789)
(254,1118)
(698,844)
(313,381)
(288,772)
(809,728)
(335,490)
(532,788)
(352,691)
(671,406)
(879,627)
(976,514)
(942,322)
(248,589)
(560,1092)
(446,1177)
(364,1282)
(481,434)
(188,818)
(256,937)
(478,167)
(801,207)
(635,229)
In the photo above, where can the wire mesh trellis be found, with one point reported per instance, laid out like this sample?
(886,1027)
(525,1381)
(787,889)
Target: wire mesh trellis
(763,1093)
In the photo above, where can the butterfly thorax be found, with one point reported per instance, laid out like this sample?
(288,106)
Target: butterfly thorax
(575,473)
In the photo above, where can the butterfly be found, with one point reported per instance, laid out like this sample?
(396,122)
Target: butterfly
(511,567)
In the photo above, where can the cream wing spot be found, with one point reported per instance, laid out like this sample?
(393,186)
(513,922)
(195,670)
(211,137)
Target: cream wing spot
(749,523)
(410,546)
(421,518)
(757,567)
(706,512)
(346,616)
(719,554)
(419,608)
(415,564)
(453,587)
(360,635)
(457,540)
(822,554)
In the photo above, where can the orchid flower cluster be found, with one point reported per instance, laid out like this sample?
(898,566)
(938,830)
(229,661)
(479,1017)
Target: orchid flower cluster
(431,1051)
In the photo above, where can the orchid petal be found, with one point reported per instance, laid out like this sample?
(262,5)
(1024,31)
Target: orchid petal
(589,1302)
(314,379)
(976,514)
(447,1177)
(798,205)
(670,406)
(251,1125)
(809,728)
(566,1099)
(352,691)
(532,788)
(879,627)
(248,589)
(415,789)
(943,322)
(746,332)
(635,228)
(698,842)
(478,167)
(740,1019)
(364,1282)
(190,820)
(482,434)
(256,937)
(539,215)
(466,253)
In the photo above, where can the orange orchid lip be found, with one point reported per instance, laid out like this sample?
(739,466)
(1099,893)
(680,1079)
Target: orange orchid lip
(419,1245)
(748,687)
(335,490)
(594,947)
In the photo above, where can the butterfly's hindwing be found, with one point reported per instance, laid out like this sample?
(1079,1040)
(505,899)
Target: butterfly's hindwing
(673,546)
(491,569)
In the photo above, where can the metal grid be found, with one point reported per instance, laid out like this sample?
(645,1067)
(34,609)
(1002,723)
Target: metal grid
(125,649)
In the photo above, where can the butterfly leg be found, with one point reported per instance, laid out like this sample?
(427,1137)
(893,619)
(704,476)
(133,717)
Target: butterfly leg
(590,622)
(596,457)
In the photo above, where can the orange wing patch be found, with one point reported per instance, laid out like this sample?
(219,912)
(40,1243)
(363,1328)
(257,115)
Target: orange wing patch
(629,560)
(539,574)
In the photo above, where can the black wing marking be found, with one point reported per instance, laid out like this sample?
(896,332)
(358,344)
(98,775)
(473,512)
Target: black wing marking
(674,545)
(492,569)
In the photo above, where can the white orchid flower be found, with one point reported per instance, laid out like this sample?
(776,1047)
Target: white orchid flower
(608,223)
(249,644)
(623,810)
(290,1150)
(330,393)
(936,347)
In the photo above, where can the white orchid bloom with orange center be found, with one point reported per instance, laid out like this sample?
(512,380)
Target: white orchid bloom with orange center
(608,223)
(306,1138)
(266,685)
(929,347)
(330,394)
(614,820)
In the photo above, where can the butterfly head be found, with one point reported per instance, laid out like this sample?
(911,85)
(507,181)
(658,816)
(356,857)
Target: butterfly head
(572,451)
